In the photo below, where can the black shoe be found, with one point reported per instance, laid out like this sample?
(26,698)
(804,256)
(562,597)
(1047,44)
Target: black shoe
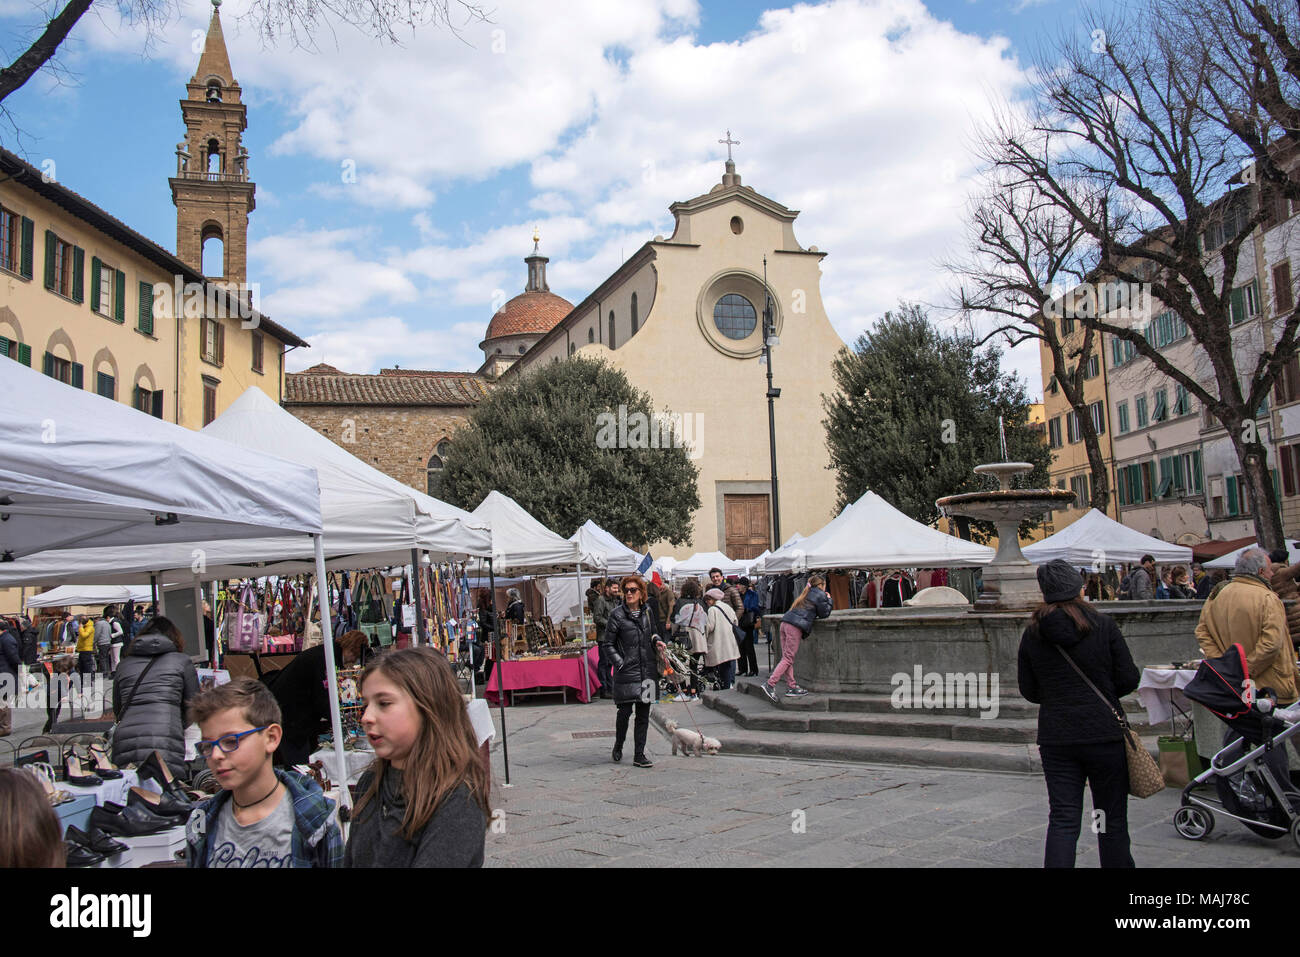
(96,840)
(155,768)
(134,821)
(641,761)
(165,805)
(75,773)
(617,754)
(79,856)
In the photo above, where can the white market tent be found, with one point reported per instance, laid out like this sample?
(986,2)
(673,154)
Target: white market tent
(871,533)
(614,557)
(1229,560)
(521,541)
(698,565)
(1096,538)
(369,518)
(92,595)
(760,567)
(80,470)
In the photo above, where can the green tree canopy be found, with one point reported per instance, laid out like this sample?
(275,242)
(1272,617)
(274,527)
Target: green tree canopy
(916,410)
(571,441)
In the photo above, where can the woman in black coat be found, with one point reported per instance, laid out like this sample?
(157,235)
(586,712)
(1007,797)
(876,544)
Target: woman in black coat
(1079,737)
(152,689)
(631,645)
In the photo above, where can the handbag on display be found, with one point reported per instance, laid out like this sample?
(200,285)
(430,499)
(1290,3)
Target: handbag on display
(246,629)
(372,619)
(1144,775)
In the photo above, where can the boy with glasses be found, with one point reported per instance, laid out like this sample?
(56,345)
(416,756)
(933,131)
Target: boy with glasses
(263,816)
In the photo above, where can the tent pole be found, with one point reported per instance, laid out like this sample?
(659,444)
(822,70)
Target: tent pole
(501,685)
(153,586)
(417,580)
(332,678)
(198,615)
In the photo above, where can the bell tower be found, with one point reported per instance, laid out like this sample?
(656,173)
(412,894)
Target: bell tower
(211,189)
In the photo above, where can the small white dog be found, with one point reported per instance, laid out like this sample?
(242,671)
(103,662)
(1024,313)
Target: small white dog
(691,741)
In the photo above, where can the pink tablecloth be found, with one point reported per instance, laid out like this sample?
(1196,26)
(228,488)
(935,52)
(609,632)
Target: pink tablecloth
(549,673)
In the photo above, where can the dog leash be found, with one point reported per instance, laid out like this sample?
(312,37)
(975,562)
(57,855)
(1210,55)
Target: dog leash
(663,659)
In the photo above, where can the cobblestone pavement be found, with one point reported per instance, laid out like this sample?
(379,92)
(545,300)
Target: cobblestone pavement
(569,805)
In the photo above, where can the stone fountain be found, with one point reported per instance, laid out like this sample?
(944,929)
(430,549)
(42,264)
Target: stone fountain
(1010,580)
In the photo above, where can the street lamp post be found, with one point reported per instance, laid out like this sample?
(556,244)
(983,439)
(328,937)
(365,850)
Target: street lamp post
(769,340)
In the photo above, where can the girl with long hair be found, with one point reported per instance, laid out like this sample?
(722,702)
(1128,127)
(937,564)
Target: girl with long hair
(424,800)
(1079,738)
(797,624)
(30,832)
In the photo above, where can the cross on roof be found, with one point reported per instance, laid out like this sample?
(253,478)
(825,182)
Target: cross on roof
(729,142)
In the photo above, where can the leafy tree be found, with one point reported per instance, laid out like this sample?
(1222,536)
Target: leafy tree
(916,410)
(551,440)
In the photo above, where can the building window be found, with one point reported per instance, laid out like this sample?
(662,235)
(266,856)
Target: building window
(437,462)
(1236,498)
(1053,386)
(634,316)
(1098,412)
(257,351)
(1140,410)
(734,316)
(1072,426)
(1179,475)
(16,243)
(1079,486)
(1289,456)
(18,351)
(573,347)
(1283,294)
(1092,367)
(66,371)
(105,385)
(591,335)
(1134,483)
(151,403)
(1243,303)
(1121,351)
(1286,387)
(1182,400)
(107,290)
(611,328)
(1067,326)
(209,399)
(1054,433)
(1121,414)
(1160,410)
(214,341)
(523,349)
(144,310)
(64,265)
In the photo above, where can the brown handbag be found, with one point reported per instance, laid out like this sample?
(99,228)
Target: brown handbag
(1144,776)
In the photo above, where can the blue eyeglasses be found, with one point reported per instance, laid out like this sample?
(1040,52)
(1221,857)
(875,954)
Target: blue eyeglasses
(228,743)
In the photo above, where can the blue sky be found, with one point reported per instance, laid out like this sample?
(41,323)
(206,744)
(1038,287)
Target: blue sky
(587,119)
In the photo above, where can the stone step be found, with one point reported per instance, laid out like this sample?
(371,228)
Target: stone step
(1008,706)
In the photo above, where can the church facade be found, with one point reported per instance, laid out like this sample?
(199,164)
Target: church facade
(682,317)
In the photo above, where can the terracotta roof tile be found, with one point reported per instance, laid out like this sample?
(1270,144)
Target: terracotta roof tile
(529,312)
(414,388)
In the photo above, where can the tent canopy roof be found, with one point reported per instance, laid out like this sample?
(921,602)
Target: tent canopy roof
(1096,537)
(699,564)
(871,533)
(521,541)
(614,557)
(79,470)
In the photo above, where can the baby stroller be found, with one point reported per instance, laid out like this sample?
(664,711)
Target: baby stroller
(1247,789)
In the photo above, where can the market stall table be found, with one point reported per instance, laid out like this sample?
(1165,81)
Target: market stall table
(1160,692)
(527,675)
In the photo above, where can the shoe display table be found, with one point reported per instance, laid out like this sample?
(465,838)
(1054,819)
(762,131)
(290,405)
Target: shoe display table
(115,790)
(157,848)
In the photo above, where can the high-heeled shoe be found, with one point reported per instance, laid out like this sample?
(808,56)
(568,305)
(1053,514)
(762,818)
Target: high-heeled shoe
(96,840)
(134,821)
(75,773)
(165,804)
(45,774)
(154,768)
(97,758)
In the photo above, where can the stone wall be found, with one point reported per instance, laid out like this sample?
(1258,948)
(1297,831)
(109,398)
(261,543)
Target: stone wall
(859,651)
(397,440)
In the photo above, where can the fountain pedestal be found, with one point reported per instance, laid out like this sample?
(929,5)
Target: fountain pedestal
(1010,580)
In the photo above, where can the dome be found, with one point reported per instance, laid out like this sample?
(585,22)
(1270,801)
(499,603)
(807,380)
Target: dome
(529,313)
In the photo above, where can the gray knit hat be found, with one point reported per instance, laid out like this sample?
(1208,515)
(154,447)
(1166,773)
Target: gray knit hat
(1059,580)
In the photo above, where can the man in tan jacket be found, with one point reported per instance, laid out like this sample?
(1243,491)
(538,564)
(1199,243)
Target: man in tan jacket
(1247,612)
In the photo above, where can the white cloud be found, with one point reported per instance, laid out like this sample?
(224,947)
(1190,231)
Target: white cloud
(385,341)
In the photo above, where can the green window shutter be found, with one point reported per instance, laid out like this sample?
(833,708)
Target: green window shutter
(1277,493)
(78,274)
(157,404)
(119,296)
(144,319)
(1232,494)
(78,375)
(4,346)
(47,365)
(1197,480)
(25,354)
(49,260)
(25,254)
(95,267)
(1237,306)
(1116,352)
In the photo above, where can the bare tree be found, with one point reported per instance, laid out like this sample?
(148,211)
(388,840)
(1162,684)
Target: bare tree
(299,20)
(1126,142)
(1022,251)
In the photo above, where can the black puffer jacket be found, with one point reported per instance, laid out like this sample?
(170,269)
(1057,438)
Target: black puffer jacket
(1071,712)
(630,650)
(9,656)
(29,646)
(155,706)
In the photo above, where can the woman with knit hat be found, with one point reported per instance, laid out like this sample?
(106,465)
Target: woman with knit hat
(1079,737)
